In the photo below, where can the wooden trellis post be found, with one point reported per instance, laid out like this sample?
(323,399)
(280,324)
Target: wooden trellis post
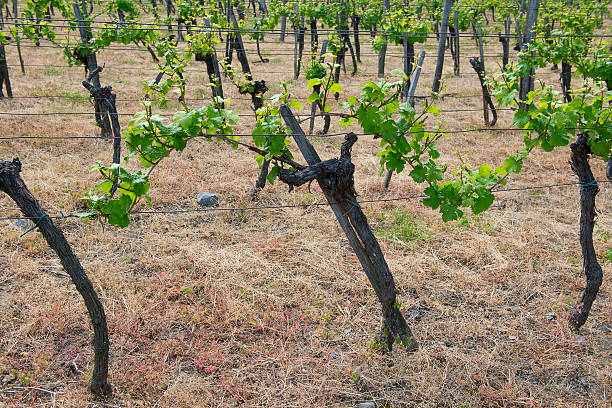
(448,4)
(383,51)
(527,82)
(335,177)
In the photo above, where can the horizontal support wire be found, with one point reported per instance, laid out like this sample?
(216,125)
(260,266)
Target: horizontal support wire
(360,73)
(114,25)
(305,206)
(340,114)
(431,131)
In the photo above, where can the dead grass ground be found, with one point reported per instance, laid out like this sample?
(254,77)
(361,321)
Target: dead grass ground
(271,308)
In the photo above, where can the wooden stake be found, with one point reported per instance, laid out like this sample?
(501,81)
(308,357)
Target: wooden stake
(335,177)
(448,4)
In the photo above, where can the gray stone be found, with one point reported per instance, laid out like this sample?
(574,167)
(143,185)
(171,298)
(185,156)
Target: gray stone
(581,339)
(605,329)
(366,405)
(208,200)
(415,314)
(550,316)
(9,378)
(335,356)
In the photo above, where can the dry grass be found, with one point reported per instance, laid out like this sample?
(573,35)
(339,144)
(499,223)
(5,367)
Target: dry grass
(271,308)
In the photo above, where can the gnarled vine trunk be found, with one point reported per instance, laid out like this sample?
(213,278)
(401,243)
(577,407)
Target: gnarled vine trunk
(335,177)
(579,155)
(12,184)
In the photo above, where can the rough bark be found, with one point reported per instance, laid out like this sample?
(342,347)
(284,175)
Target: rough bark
(355,20)
(340,55)
(239,46)
(335,177)
(527,82)
(5,80)
(314,37)
(505,40)
(579,156)
(408,60)
(106,98)
(261,57)
(566,81)
(349,46)
(283,28)
(212,68)
(13,185)
(261,179)
(487,103)
(455,42)
(317,104)
(448,4)
(101,115)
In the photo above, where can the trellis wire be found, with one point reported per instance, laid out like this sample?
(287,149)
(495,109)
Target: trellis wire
(433,131)
(153,26)
(305,206)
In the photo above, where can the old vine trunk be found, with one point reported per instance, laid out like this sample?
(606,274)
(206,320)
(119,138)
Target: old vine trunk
(335,177)
(580,152)
(12,184)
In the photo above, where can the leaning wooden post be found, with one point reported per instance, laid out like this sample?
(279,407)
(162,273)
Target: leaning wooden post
(13,185)
(415,78)
(338,188)
(448,4)
(239,45)
(383,51)
(526,83)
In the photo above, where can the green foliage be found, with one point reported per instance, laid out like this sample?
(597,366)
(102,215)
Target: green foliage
(548,121)
(406,143)
(407,138)
(399,21)
(151,138)
(270,133)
